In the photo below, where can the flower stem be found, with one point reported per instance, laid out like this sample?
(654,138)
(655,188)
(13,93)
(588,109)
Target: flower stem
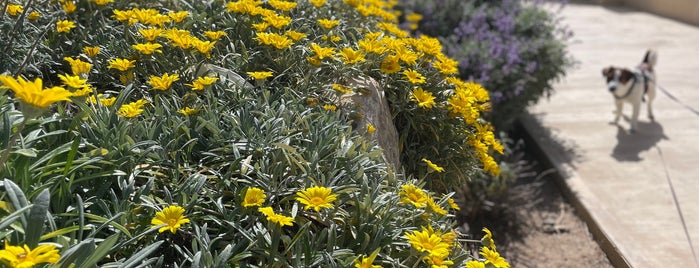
(10,143)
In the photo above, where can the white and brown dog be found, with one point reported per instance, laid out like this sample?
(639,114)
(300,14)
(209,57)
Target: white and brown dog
(632,86)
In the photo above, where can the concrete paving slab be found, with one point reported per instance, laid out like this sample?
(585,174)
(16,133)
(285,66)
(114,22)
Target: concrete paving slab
(631,185)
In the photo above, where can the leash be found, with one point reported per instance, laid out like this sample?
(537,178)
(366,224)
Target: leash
(667,93)
(628,92)
(677,205)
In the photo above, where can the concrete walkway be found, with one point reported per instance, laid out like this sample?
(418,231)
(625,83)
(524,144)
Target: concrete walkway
(630,186)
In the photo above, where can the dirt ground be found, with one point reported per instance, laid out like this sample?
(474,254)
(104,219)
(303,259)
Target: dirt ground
(539,227)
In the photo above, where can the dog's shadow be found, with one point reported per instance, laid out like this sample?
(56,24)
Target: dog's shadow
(630,145)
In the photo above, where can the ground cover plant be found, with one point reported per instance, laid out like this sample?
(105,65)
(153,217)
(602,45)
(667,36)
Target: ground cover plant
(209,134)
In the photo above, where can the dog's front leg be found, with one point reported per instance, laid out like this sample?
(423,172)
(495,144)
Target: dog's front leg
(634,116)
(619,105)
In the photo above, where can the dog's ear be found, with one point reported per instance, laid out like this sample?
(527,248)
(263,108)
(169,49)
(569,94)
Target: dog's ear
(607,71)
(625,76)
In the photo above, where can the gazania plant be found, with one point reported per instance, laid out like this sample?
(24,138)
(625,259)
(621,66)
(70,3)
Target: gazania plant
(211,134)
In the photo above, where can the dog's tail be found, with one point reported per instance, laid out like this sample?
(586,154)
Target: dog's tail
(651,58)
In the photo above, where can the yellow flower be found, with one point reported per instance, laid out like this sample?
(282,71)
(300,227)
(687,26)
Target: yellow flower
(475,264)
(204,47)
(187,111)
(163,82)
(453,204)
(330,107)
(414,17)
(276,40)
(34,15)
(411,194)
(352,56)
(33,94)
(102,2)
(282,5)
(214,35)
(370,128)
(367,262)
(276,218)
(73,81)
(202,82)
(107,102)
(130,110)
(148,48)
(342,89)
(69,7)
(64,26)
(427,241)
(316,197)
(296,36)
(423,98)
(446,66)
(254,197)
(494,258)
(121,64)
(390,64)
(435,207)
(318,3)
(328,24)
(78,66)
(277,21)
(180,38)
(371,46)
(322,52)
(150,34)
(23,257)
(487,239)
(260,75)
(433,166)
(414,76)
(172,216)
(91,51)
(14,9)
(178,16)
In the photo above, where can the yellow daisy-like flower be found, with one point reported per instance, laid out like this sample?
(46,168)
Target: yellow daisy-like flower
(77,66)
(188,111)
(14,9)
(342,89)
(424,98)
(178,16)
(414,76)
(330,107)
(64,26)
(390,64)
(102,2)
(436,208)
(318,3)
(414,17)
(261,26)
(487,239)
(172,216)
(328,24)
(316,197)
(432,165)
(91,51)
(475,264)
(204,47)
(352,56)
(427,241)
(277,21)
(367,262)
(214,35)
(150,34)
(121,64)
(69,7)
(33,94)
(371,46)
(296,36)
(370,128)
(411,194)
(163,82)
(202,82)
(130,110)
(276,218)
(282,5)
(14,256)
(276,40)
(148,48)
(453,204)
(73,81)
(260,75)
(34,15)
(254,197)
(107,102)
(322,52)
(494,258)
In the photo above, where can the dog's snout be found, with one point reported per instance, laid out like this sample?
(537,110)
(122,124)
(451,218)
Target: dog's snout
(612,88)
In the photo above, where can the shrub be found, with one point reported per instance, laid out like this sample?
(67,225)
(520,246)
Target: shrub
(163,134)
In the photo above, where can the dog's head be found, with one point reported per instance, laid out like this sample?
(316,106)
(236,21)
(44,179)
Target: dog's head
(616,77)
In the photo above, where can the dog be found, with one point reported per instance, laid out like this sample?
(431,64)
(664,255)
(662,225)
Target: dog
(632,86)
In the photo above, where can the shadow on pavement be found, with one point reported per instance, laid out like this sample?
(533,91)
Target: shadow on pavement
(630,145)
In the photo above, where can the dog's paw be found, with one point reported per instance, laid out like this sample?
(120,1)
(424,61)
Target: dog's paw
(651,117)
(632,131)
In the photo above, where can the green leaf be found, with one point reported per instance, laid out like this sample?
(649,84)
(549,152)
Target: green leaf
(37,217)
(9,219)
(17,197)
(29,152)
(61,231)
(98,254)
(140,255)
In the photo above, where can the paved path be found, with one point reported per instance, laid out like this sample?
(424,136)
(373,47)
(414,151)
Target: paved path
(624,180)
